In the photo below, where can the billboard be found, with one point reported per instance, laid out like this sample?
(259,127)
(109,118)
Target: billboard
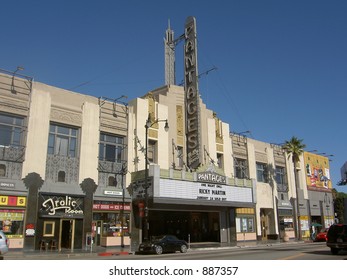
(317,171)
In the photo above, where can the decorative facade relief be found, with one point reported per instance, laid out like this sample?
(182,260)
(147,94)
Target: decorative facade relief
(180,125)
(107,169)
(9,105)
(261,157)
(68,165)
(219,131)
(66,117)
(12,158)
(152,109)
(239,143)
(111,126)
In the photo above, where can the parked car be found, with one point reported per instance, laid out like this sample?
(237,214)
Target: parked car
(163,244)
(4,243)
(337,238)
(321,236)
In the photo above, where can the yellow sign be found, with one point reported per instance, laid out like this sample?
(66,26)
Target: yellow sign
(3,200)
(7,200)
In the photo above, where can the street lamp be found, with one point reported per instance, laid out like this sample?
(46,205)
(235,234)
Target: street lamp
(149,123)
(123,173)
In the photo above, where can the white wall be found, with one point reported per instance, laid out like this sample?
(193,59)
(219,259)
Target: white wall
(37,137)
(89,142)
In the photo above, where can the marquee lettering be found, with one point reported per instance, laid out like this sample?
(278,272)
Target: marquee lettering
(192,96)
(211,177)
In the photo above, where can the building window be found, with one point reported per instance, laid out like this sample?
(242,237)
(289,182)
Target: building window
(12,222)
(111,148)
(61,176)
(2,170)
(111,181)
(281,179)
(262,172)
(220,160)
(62,140)
(152,151)
(241,168)
(11,128)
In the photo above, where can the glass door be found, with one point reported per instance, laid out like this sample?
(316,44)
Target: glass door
(96,232)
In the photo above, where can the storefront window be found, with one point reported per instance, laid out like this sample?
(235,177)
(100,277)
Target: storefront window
(244,224)
(11,222)
(112,223)
(286,223)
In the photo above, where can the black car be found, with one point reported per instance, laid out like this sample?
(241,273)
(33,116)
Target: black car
(337,238)
(163,244)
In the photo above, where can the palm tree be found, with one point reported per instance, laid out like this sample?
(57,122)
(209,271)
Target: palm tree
(294,148)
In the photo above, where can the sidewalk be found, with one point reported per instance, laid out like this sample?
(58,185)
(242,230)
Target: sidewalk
(99,251)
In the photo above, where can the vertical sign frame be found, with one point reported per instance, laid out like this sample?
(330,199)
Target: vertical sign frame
(193,119)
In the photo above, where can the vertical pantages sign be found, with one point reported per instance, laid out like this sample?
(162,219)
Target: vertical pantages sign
(192,95)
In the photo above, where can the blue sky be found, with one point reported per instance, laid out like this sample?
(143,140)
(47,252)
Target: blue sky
(281,65)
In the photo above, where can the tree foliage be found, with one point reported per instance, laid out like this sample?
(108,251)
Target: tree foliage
(294,147)
(339,205)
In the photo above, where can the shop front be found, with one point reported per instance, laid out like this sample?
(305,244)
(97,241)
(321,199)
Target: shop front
(245,224)
(111,223)
(286,224)
(60,222)
(12,213)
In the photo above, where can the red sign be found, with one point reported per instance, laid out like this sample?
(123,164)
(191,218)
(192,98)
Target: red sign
(29,230)
(30,226)
(111,207)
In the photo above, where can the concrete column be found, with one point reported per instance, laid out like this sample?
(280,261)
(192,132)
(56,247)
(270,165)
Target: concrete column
(33,183)
(89,187)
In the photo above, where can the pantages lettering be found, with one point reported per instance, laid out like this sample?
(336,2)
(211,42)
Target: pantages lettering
(68,204)
(211,177)
(192,96)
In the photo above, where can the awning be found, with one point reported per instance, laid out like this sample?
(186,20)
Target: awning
(316,225)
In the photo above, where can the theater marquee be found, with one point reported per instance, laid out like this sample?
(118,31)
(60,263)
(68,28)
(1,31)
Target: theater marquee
(199,191)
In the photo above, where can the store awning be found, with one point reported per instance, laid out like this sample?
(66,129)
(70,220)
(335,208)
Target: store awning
(316,225)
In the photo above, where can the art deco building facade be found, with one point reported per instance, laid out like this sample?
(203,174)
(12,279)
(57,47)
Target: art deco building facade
(73,168)
(244,189)
(62,166)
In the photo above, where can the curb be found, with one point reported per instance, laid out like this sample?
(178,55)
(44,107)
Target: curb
(107,254)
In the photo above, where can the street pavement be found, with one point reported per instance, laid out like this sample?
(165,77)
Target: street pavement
(98,251)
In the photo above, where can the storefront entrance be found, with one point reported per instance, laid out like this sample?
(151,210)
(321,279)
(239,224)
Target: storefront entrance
(96,232)
(67,234)
(264,223)
(193,226)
